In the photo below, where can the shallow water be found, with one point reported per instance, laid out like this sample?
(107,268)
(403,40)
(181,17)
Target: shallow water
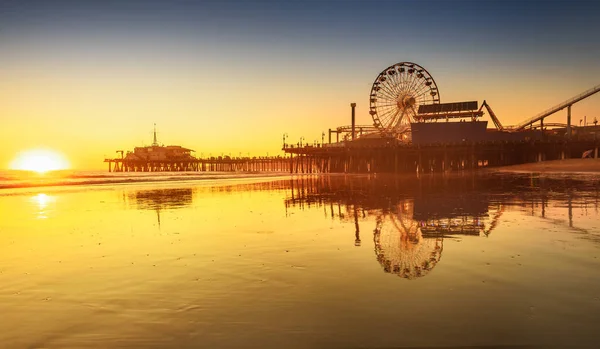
(313,262)
(23,180)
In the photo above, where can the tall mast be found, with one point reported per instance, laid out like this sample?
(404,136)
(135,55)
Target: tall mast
(155,143)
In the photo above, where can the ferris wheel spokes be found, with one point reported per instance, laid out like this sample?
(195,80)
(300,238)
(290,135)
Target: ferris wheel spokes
(396,94)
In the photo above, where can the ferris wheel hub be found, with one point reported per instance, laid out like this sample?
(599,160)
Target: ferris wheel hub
(406,102)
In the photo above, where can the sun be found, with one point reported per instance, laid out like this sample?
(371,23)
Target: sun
(39,160)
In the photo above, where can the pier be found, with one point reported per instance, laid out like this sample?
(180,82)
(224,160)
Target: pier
(175,158)
(412,132)
(396,157)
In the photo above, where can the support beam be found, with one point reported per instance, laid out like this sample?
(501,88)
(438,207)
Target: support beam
(353,105)
(569,122)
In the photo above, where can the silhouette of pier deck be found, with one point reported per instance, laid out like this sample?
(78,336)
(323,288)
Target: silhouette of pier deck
(212,164)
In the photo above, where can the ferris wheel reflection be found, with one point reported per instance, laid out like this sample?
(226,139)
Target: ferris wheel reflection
(410,217)
(400,246)
(411,248)
(408,228)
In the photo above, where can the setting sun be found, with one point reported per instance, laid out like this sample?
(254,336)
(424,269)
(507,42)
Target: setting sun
(39,160)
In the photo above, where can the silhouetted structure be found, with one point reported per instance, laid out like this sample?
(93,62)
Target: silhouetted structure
(412,131)
(154,158)
(381,155)
(174,158)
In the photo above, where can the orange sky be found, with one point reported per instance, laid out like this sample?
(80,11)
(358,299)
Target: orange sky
(88,117)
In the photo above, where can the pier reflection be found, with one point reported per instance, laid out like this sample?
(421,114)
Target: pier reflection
(410,217)
(159,199)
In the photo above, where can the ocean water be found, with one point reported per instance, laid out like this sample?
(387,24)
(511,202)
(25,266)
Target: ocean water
(454,261)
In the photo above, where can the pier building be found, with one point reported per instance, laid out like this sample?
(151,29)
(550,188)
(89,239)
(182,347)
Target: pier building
(154,158)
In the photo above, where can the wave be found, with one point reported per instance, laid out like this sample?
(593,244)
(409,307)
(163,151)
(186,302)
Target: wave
(144,174)
(15,181)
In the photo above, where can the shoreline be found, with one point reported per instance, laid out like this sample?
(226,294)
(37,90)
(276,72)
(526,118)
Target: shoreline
(568,166)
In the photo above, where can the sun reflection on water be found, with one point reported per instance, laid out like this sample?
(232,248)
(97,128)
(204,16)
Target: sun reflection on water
(42,201)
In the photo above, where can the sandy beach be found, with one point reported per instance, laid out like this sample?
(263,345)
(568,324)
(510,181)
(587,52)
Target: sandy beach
(554,166)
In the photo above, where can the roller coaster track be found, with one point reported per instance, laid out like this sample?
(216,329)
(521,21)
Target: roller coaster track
(556,108)
(552,124)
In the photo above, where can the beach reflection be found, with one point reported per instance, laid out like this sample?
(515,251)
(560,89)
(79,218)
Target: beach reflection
(401,247)
(409,225)
(157,199)
(42,201)
(304,262)
(414,215)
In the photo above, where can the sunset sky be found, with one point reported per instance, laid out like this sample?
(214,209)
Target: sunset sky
(88,78)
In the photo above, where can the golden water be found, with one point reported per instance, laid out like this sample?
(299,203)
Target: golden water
(315,262)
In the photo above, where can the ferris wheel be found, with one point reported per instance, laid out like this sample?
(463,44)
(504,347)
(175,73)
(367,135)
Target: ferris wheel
(400,247)
(396,95)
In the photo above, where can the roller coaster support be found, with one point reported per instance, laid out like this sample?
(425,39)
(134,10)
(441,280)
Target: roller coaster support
(492,115)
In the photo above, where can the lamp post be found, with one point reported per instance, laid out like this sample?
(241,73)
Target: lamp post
(322,137)
(285,136)
(301,139)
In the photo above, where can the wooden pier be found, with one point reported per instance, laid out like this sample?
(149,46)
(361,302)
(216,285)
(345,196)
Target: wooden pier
(212,164)
(390,157)
(394,157)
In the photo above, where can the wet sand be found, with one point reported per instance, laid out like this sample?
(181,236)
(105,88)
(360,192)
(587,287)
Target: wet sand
(312,262)
(569,165)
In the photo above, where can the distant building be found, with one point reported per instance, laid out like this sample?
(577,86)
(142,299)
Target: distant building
(159,153)
(156,152)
